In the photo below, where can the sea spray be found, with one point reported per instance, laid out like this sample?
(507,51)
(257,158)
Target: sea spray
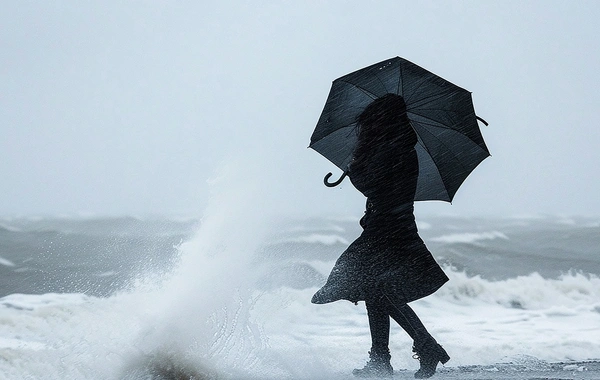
(191,319)
(200,316)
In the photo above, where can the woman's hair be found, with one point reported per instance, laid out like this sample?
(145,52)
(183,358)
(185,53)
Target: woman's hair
(384,119)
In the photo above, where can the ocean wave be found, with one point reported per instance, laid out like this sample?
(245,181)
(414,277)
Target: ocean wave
(326,228)
(571,290)
(469,315)
(36,301)
(6,262)
(206,309)
(8,228)
(126,225)
(319,239)
(469,237)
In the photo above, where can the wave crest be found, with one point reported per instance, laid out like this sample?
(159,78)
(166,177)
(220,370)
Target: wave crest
(571,290)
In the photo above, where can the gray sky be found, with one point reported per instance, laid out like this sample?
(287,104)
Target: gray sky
(131,107)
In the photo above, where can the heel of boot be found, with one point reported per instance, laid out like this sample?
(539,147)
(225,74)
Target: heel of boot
(443,356)
(429,357)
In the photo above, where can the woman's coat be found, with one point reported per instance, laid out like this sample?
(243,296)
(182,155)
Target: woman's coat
(389,256)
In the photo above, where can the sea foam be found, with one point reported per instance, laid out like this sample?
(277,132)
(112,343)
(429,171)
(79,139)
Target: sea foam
(469,237)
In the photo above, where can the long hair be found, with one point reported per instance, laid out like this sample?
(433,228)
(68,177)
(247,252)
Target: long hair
(384,121)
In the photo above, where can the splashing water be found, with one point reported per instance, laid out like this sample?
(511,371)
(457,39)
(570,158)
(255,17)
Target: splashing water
(193,322)
(201,313)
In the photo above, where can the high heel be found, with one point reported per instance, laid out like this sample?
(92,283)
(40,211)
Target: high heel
(429,355)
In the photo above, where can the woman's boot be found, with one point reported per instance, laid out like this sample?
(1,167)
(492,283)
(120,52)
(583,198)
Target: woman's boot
(377,366)
(429,353)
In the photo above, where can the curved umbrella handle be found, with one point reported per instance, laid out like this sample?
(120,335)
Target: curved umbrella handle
(333,184)
(483,121)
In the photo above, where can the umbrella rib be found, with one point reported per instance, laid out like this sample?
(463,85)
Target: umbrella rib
(381,82)
(432,96)
(445,189)
(335,130)
(401,83)
(416,90)
(433,120)
(435,166)
(370,94)
(450,129)
(453,154)
(433,123)
(438,109)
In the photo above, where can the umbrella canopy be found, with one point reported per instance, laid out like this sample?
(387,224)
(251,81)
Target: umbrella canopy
(449,144)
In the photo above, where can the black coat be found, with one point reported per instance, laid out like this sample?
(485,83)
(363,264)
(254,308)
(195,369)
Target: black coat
(388,257)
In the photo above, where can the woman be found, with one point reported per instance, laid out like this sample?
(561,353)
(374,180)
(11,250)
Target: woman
(388,265)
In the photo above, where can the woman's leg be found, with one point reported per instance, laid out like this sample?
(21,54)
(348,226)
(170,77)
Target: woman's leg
(405,316)
(379,356)
(428,351)
(379,324)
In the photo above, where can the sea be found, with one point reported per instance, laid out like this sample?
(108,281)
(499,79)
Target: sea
(227,295)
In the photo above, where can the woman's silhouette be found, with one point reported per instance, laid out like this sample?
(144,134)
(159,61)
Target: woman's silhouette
(388,265)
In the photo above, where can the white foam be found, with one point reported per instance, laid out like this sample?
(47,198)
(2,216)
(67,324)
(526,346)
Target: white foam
(329,227)
(469,237)
(35,302)
(20,344)
(107,273)
(320,239)
(531,292)
(6,262)
(423,226)
(566,221)
(9,228)
(477,326)
(204,318)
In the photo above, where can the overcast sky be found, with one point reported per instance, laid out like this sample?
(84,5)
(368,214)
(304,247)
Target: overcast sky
(130,108)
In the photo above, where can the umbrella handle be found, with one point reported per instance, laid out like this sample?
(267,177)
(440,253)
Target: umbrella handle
(333,184)
(483,121)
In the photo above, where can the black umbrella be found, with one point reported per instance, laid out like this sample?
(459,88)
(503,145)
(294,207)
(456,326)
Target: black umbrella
(449,145)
